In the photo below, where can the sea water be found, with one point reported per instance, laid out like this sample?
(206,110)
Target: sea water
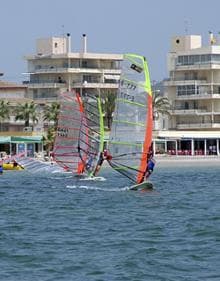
(56,227)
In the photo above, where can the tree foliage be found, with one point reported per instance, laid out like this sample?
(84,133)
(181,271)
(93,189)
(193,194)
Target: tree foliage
(49,139)
(4,110)
(51,113)
(26,112)
(108,107)
(161,105)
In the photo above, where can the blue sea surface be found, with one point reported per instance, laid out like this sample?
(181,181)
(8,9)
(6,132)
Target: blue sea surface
(56,227)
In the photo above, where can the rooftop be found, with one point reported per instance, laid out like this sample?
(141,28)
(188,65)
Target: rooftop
(11,85)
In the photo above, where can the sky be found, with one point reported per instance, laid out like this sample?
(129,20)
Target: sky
(112,26)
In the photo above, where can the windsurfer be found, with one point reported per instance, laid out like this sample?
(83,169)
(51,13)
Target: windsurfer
(80,168)
(150,167)
(104,155)
(89,163)
(1,168)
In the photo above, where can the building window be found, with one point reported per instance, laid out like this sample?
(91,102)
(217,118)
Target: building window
(84,63)
(55,45)
(87,78)
(198,59)
(187,90)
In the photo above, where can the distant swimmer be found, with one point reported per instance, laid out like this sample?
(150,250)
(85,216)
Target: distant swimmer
(1,169)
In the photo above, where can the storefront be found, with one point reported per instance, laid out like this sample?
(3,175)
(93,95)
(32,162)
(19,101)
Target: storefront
(187,143)
(28,145)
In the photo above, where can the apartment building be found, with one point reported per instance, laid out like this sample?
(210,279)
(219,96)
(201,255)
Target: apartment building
(14,94)
(55,68)
(193,89)
(14,136)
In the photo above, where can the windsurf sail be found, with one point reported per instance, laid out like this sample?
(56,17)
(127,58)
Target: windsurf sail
(35,165)
(131,134)
(66,146)
(91,136)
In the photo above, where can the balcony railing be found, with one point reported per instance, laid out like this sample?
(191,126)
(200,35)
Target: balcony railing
(204,95)
(95,85)
(185,81)
(65,68)
(44,84)
(197,125)
(183,78)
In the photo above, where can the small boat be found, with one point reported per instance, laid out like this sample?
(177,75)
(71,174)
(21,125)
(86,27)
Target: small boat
(12,166)
(130,141)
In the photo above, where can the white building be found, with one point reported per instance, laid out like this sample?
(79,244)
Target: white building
(14,94)
(55,68)
(193,89)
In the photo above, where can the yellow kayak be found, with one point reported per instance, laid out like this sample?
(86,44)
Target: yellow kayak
(11,166)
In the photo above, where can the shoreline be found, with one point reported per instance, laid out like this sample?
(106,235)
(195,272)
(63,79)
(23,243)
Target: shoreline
(178,161)
(187,160)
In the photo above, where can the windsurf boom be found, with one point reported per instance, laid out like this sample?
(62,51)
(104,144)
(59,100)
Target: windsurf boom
(131,134)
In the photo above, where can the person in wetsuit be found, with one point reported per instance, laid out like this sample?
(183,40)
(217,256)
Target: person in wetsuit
(103,156)
(150,167)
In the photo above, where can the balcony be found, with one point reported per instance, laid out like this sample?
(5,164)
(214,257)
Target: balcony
(95,85)
(205,95)
(181,81)
(189,126)
(73,69)
(190,111)
(202,66)
(41,84)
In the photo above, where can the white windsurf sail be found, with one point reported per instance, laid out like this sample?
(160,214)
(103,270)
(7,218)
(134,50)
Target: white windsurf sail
(131,133)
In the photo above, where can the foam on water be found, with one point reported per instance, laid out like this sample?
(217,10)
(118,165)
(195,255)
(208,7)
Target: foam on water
(93,179)
(97,188)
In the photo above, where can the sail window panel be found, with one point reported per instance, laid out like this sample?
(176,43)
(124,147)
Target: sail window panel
(92,114)
(137,115)
(125,131)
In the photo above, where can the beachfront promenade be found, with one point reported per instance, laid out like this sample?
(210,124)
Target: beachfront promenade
(162,160)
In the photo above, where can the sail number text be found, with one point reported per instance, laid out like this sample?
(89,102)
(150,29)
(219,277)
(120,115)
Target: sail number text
(126,96)
(62,132)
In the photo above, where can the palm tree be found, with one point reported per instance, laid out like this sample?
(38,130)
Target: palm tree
(108,107)
(49,139)
(161,105)
(4,111)
(51,113)
(26,112)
